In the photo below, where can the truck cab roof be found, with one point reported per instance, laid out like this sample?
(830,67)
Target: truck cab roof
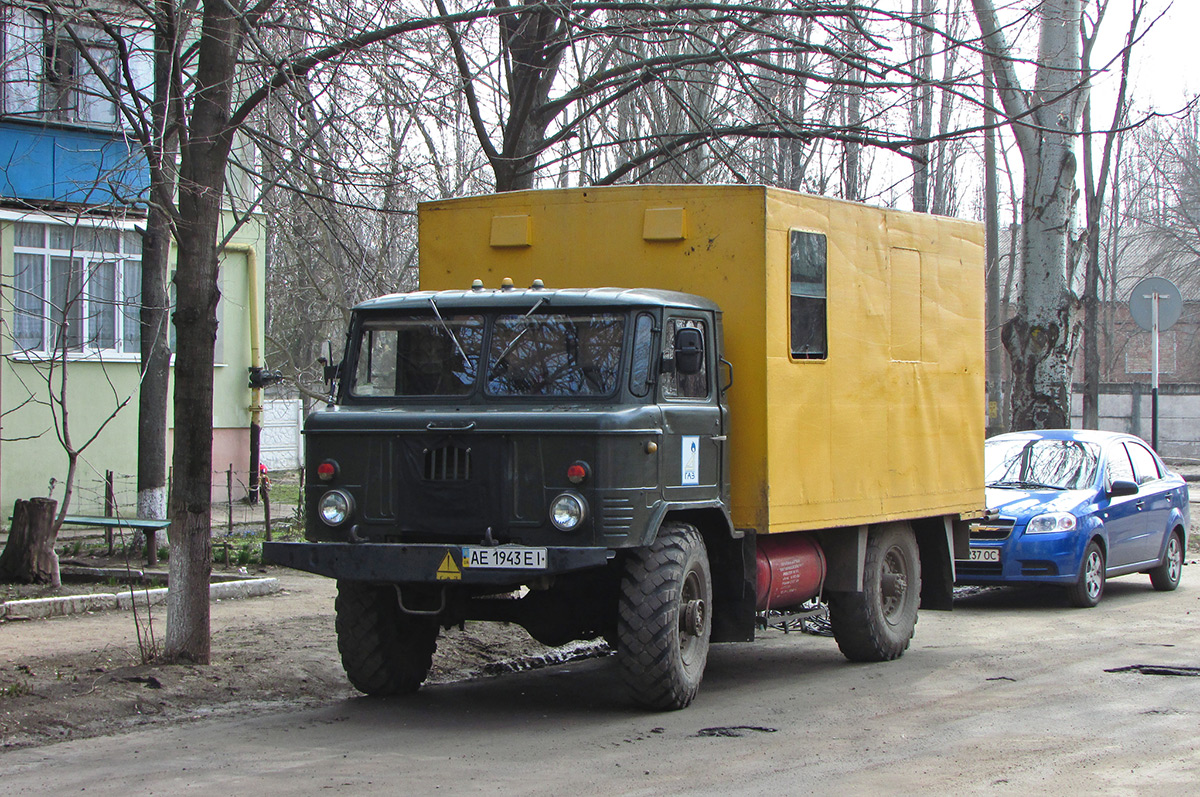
(523,298)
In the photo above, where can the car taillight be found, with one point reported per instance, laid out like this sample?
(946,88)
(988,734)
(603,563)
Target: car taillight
(327,470)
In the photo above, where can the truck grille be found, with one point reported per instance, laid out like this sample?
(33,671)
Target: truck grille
(616,514)
(447,464)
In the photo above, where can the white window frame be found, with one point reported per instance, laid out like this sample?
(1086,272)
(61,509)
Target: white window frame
(86,308)
(28,36)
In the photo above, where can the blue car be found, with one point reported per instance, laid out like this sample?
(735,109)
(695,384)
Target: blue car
(1075,508)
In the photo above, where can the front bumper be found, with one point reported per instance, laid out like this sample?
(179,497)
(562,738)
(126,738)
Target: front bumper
(418,564)
(1052,558)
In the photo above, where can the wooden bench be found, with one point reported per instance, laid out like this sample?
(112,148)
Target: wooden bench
(145,525)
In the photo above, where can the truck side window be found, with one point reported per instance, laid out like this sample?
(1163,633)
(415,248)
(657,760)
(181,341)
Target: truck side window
(643,341)
(677,385)
(808,261)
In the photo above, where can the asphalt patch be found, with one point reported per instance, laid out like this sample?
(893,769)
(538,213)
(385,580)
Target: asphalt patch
(733,731)
(1159,669)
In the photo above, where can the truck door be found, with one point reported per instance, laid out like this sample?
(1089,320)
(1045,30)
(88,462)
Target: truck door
(693,440)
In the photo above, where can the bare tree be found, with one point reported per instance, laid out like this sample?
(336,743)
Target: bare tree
(1096,195)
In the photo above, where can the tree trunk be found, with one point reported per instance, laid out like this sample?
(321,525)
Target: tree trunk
(991,189)
(29,556)
(921,125)
(155,313)
(202,181)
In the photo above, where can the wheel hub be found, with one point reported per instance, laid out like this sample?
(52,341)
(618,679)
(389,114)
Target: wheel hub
(693,617)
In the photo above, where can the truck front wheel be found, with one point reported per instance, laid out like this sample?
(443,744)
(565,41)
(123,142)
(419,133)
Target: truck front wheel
(878,623)
(664,618)
(384,651)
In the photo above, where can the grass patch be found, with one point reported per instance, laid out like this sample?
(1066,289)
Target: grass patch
(15,689)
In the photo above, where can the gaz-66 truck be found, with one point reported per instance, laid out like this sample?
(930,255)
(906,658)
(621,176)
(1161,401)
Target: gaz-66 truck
(783,400)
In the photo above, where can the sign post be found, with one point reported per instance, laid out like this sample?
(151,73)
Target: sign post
(1155,305)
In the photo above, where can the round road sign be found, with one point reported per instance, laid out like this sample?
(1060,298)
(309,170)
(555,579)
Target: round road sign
(1170,303)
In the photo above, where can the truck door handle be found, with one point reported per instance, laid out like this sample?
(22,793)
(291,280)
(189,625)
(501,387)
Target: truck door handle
(433,427)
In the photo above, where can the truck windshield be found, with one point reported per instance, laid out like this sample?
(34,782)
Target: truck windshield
(555,354)
(418,356)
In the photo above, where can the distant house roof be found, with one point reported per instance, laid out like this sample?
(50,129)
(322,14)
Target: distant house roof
(1140,251)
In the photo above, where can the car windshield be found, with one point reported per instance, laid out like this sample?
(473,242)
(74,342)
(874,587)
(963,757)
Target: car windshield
(1023,462)
(555,354)
(418,356)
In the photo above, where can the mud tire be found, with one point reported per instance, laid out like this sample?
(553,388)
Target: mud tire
(384,651)
(664,618)
(877,624)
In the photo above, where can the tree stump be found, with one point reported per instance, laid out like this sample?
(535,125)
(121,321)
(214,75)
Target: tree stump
(29,556)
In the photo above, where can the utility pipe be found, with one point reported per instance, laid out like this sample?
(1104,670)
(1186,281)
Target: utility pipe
(256,360)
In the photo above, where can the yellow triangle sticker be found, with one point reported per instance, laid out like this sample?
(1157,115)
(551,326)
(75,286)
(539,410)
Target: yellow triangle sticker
(448,569)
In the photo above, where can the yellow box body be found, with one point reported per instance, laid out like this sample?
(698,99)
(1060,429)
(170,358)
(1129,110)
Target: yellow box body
(890,426)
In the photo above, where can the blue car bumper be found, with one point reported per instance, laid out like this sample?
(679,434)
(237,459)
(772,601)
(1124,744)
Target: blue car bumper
(1052,558)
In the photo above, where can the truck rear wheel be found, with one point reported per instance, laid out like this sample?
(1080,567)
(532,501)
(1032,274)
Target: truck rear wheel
(664,618)
(878,623)
(384,651)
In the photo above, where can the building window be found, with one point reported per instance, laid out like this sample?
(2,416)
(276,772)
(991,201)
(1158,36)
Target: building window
(76,289)
(808,261)
(65,71)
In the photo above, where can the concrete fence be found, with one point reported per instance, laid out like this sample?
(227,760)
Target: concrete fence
(1127,408)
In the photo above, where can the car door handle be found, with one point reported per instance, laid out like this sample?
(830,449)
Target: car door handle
(1141,505)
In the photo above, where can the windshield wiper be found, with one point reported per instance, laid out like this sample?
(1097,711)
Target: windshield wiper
(517,337)
(446,328)
(1026,485)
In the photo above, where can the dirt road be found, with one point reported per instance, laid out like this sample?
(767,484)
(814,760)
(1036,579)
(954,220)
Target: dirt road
(1010,694)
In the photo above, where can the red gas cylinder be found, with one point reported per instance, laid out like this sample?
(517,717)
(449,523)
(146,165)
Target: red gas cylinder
(791,569)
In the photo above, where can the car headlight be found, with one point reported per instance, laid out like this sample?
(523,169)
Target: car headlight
(1050,522)
(335,507)
(567,511)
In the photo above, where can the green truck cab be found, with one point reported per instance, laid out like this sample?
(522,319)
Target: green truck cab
(480,442)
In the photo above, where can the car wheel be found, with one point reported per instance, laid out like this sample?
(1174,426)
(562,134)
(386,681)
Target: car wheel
(1166,576)
(1087,591)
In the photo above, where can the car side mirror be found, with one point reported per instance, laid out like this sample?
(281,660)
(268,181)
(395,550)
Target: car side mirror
(1121,487)
(689,351)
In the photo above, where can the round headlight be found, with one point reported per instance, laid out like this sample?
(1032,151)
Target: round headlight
(335,506)
(1051,522)
(567,511)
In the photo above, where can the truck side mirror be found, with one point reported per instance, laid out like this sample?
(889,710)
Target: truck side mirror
(689,351)
(325,358)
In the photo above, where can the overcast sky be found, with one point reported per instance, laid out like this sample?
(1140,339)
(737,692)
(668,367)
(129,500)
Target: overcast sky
(1167,63)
